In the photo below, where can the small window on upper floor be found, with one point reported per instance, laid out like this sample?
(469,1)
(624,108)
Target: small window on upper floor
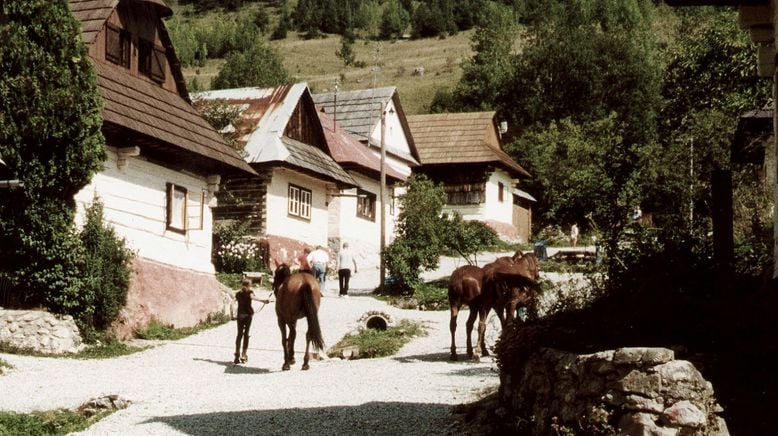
(117,45)
(151,60)
(500,193)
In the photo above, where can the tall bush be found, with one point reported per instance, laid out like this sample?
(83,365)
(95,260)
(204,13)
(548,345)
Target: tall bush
(418,244)
(50,137)
(108,264)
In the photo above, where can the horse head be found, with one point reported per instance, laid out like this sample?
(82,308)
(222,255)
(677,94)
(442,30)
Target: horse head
(281,274)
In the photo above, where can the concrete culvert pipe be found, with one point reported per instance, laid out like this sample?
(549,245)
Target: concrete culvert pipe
(376,320)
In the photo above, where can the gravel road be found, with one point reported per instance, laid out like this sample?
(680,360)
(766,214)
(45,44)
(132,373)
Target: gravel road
(191,387)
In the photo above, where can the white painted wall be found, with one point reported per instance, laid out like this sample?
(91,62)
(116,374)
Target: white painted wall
(394,139)
(492,208)
(134,203)
(280,223)
(363,235)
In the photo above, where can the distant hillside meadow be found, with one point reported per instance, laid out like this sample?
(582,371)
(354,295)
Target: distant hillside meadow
(418,67)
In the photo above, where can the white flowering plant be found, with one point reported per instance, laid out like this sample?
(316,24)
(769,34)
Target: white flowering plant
(237,256)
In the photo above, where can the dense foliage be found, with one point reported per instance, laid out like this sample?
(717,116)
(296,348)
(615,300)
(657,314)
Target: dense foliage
(54,146)
(259,66)
(417,244)
(108,264)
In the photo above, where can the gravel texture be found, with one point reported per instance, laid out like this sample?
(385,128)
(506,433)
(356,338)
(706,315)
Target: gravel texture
(191,387)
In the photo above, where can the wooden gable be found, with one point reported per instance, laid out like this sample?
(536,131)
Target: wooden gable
(304,124)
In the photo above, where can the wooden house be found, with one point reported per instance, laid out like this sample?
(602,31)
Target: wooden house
(354,214)
(463,151)
(164,163)
(283,140)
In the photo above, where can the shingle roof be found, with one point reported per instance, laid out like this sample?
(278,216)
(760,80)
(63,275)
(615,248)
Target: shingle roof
(349,152)
(93,13)
(151,111)
(455,138)
(265,114)
(358,111)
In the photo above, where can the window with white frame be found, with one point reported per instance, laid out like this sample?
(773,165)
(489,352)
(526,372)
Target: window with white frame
(366,205)
(184,209)
(299,202)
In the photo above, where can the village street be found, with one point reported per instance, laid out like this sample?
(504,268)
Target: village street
(190,386)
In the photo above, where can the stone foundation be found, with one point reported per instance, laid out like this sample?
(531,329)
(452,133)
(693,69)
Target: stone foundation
(40,331)
(640,391)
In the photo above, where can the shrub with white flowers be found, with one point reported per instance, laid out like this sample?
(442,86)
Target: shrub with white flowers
(237,256)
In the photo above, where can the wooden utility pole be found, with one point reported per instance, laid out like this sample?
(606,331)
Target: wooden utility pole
(383,193)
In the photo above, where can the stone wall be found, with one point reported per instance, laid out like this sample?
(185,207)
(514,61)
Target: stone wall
(640,391)
(39,331)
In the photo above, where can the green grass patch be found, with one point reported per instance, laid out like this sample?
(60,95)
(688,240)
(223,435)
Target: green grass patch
(160,331)
(54,422)
(379,343)
(106,349)
(231,280)
(427,296)
(4,366)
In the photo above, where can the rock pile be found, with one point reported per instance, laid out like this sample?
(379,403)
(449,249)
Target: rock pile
(637,390)
(40,331)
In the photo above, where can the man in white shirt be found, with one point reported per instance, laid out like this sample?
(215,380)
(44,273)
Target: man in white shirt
(345,260)
(318,260)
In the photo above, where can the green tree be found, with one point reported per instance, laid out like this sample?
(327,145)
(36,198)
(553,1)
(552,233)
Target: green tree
(394,20)
(346,52)
(260,66)
(54,146)
(418,243)
(466,238)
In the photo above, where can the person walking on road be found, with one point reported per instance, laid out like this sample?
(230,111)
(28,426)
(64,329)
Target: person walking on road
(318,259)
(244,316)
(345,260)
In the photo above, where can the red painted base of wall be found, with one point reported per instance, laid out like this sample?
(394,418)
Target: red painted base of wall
(172,295)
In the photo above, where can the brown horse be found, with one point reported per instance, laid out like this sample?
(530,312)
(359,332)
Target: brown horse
(503,284)
(297,296)
(524,290)
(464,287)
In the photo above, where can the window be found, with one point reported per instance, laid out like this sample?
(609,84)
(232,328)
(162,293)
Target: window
(176,208)
(194,210)
(151,60)
(117,45)
(500,193)
(299,202)
(184,209)
(366,205)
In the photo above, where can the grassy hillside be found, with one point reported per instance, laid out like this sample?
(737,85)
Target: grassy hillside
(314,61)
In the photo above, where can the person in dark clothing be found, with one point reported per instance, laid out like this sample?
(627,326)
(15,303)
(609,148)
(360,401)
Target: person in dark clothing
(244,316)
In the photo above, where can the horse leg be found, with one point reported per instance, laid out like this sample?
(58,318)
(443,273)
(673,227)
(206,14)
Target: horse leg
(481,345)
(292,337)
(284,344)
(452,326)
(307,356)
(469,328)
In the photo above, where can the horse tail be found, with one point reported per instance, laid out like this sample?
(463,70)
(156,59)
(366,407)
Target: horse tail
(312,316)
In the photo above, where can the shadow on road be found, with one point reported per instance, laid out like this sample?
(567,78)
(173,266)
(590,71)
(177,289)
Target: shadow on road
(231,368)
(375,418)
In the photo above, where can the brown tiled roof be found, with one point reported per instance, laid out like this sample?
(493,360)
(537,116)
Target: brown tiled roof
(167,125)
(93,13)
(349,152)
(456,138)
(146,108)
